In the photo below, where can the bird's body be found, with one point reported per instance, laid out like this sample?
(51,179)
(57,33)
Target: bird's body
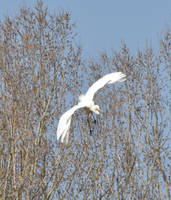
(86,101)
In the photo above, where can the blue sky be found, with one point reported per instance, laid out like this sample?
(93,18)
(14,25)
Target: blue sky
(102,24)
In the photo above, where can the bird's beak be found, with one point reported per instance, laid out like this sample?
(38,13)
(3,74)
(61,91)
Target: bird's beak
(99,110)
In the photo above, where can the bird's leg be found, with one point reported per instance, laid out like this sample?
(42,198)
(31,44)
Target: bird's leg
(88,120)
(94,119)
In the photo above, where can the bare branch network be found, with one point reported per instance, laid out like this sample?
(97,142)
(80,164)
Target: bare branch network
(42,73)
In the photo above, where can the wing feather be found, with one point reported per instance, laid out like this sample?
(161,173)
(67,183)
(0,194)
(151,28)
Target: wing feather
(65,122)
(107,79)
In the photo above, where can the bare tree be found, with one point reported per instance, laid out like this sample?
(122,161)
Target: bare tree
(38,58)
(42,73)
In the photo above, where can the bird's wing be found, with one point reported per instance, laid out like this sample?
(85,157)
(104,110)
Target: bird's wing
(64,124)
(107,79)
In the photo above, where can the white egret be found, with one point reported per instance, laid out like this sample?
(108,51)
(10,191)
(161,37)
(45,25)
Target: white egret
(86,101)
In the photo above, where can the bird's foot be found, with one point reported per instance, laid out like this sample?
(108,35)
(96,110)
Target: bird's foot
(91,131)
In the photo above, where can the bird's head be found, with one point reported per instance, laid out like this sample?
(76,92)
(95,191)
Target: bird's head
(96,109)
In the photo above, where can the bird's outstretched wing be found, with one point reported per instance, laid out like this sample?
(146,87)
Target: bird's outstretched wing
(64,124)
(107,79)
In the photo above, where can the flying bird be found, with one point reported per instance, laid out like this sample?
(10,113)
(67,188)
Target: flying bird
(86,101)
